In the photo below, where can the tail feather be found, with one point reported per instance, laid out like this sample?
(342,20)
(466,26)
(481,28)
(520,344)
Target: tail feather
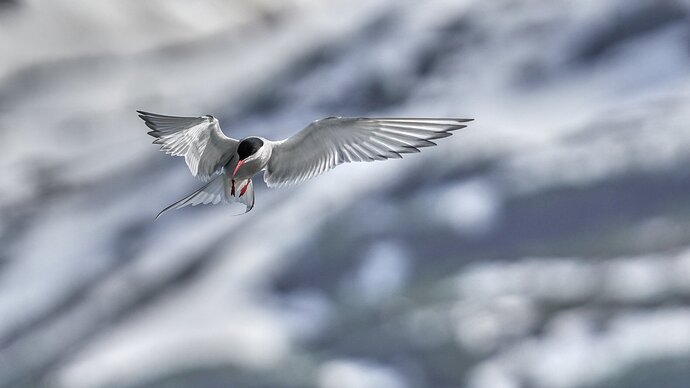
(244,193)
(218,190)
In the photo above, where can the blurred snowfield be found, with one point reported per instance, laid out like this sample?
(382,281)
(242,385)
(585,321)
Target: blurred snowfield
(547,245)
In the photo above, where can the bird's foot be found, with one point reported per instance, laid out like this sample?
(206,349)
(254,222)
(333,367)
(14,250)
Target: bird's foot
(244,188)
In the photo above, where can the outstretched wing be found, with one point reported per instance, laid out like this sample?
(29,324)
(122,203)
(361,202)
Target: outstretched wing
(327,143)
(199,139)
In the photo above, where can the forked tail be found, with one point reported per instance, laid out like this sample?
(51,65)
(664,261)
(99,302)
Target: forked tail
(221,189)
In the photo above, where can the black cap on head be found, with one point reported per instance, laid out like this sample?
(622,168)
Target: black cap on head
(248,147)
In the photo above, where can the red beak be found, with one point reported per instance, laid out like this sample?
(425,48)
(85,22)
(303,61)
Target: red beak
(239,164)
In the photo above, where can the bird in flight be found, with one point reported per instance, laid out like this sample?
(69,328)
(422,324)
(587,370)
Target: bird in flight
(227,165)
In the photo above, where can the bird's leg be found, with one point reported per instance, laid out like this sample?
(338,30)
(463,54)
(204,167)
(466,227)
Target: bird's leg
(244,188)
(232,189)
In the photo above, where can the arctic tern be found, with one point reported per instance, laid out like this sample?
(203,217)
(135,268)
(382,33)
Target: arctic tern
(228,165)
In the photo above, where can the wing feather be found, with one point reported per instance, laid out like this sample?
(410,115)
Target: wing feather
(199,140)
(327,143)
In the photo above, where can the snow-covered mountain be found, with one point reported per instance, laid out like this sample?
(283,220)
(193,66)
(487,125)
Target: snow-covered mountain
(547,245)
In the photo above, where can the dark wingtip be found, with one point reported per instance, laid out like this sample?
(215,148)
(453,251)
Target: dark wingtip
(441,135)
(143,114)
(391,154)
(411,149)
(146,118)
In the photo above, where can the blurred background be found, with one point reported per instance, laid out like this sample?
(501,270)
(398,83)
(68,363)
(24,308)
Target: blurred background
(545,246)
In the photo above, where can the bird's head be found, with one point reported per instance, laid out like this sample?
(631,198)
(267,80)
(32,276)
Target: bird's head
(247,150)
